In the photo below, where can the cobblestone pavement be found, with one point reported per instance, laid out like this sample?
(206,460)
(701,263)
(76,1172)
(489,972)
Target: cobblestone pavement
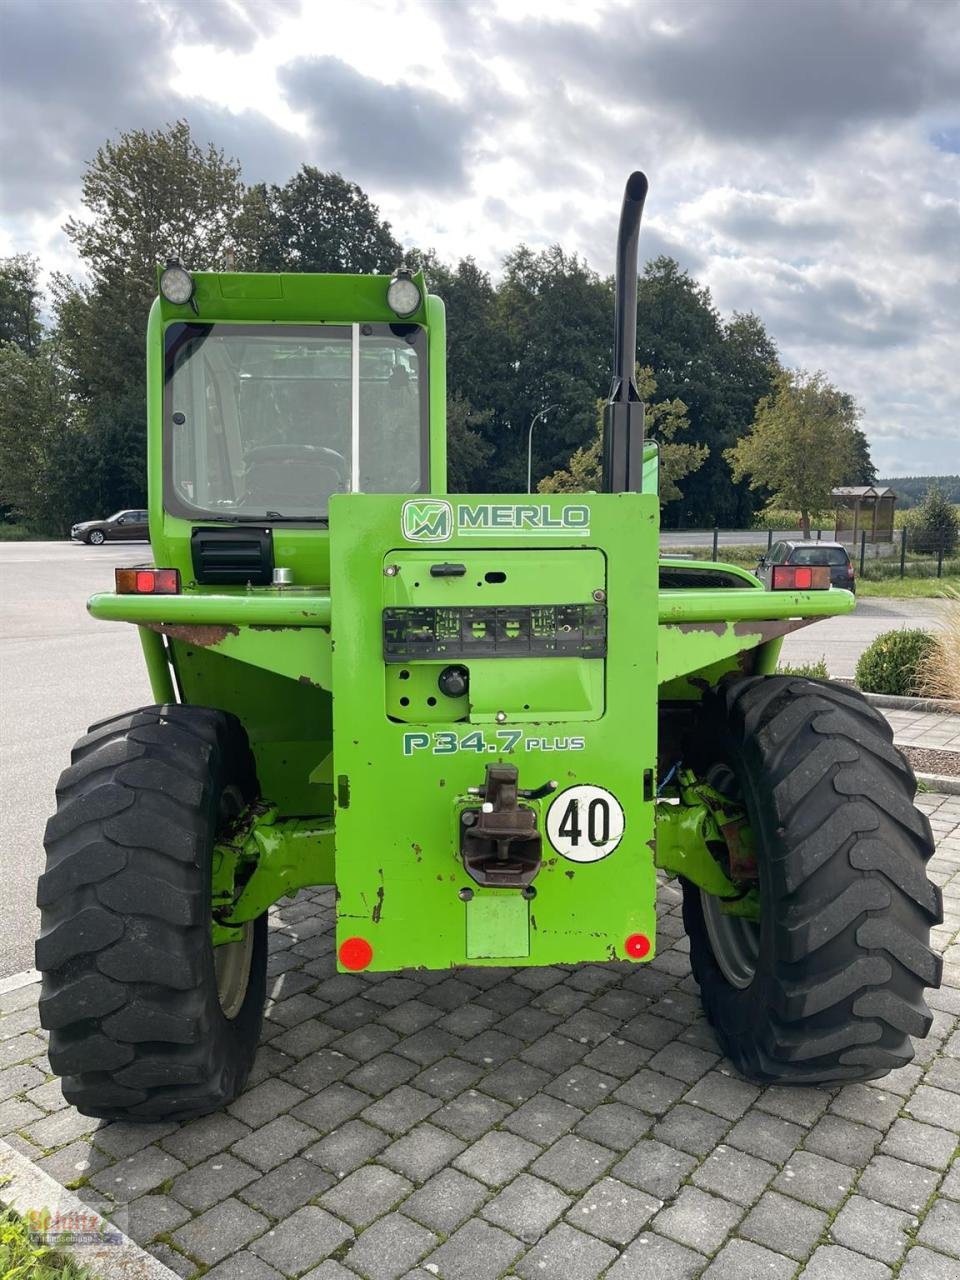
(931,729)
(566,1123)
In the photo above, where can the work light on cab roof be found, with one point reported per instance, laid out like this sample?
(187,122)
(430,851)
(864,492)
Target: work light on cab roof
(487,722)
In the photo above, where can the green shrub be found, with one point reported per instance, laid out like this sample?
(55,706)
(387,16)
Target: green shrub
(936,524)
(891,664)
(813,670)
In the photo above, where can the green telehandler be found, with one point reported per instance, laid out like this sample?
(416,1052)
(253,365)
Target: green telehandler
(489,720)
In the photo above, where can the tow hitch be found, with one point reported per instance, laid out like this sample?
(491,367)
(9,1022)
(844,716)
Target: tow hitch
(499,841)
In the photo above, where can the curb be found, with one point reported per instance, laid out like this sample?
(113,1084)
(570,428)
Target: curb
(939,782)
(18,980)
(943,706)
(25,1187)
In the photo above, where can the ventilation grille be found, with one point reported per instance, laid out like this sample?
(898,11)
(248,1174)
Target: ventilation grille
(232,556)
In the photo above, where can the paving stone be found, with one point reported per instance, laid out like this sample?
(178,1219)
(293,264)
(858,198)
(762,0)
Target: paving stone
(174,1261)
(15,1080)
(365,1194)
(220,1231)
(923,1264)
(940,1107)
(894,1182)
(683,1061)
(920,1143)
(620,1058)
(121,1139)
(489,1048)
(816,1180)
(588,1026)
(527,1208)
(528,1024)
(198,1139)
(651,1257)
(152,1216)
(543,1119)
(553,1053)
(301,1241)
(497,1157)
(470,1115)
(319,1069)
(243,1266)
(288,1187)
(941,1228)
(422,1152)
(60,1128)
(566,1252)
(70,1164)
(830,1262)
(613,1211)
(383,1074)
(447,1077)
(469,1020)
(265,1102)
(842,1140)
(137,1174)
(742,1260)
(944,1074)
(367,1042)
(766,1136)
(734,1174)
(698,1219)
(446,1200)
(212,1181)
(650,1091)
(951,1184)
(515,1081)
(400,1109)
(477,1251)
(583,1087)
(331,1107)
(801,1105)
(348,1147)
(691,1129)
(614,1125)
(654,1168)
(274,1142)
(573,1163)
(867,1105)
(871,1228)
(722,1094)
(784,1225)
(410,1017)
(389,1248)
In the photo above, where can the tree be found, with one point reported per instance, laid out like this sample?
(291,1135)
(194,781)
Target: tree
(149,196)
(47,476)
(19,293)
(467,451)
(801,443)
(936,523)
(662,422)
(320,222)
(862,470)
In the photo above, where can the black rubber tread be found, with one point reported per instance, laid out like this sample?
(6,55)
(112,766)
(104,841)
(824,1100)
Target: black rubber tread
(129,989)
(846,905)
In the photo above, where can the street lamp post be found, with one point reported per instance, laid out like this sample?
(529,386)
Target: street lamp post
(533,423)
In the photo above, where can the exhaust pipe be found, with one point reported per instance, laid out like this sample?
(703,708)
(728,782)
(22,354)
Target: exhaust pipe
(623,415)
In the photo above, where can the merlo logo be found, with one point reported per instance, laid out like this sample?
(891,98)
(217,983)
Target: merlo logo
(427,520)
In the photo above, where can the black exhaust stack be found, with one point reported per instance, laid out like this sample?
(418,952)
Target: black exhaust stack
(623,416)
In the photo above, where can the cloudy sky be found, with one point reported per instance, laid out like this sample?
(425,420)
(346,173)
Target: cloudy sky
(803,155)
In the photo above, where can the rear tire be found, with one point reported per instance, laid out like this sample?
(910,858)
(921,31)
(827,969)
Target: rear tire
(841,955)
(96,538)
(138,1029)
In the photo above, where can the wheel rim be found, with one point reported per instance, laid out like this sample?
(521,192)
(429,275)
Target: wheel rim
(96,538)
(231,963)
(735,942)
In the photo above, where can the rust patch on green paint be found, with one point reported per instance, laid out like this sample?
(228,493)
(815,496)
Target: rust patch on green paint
(202,635)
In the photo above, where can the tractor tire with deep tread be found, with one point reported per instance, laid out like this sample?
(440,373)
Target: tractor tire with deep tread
(841,955)
(130,996)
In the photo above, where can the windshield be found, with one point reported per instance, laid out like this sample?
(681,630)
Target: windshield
(819,555)
(267,421)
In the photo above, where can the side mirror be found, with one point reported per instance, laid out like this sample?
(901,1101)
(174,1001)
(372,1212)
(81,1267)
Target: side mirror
(121,519)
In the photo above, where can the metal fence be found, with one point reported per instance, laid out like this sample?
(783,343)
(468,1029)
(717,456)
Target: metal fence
(912,553)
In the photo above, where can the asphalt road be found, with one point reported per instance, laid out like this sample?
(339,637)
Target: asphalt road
(60,671)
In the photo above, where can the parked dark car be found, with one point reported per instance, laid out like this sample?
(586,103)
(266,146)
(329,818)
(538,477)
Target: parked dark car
(832,554)
(122,526)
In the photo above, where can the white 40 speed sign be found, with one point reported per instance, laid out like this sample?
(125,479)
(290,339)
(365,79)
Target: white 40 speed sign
(585,823)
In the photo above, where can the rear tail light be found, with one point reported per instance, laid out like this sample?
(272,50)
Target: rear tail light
(147,582)
(849,570)
(800,577)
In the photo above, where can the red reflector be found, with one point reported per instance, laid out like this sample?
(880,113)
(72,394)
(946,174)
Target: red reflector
(800,577)
(147,582)
(355,953)
(637,946)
